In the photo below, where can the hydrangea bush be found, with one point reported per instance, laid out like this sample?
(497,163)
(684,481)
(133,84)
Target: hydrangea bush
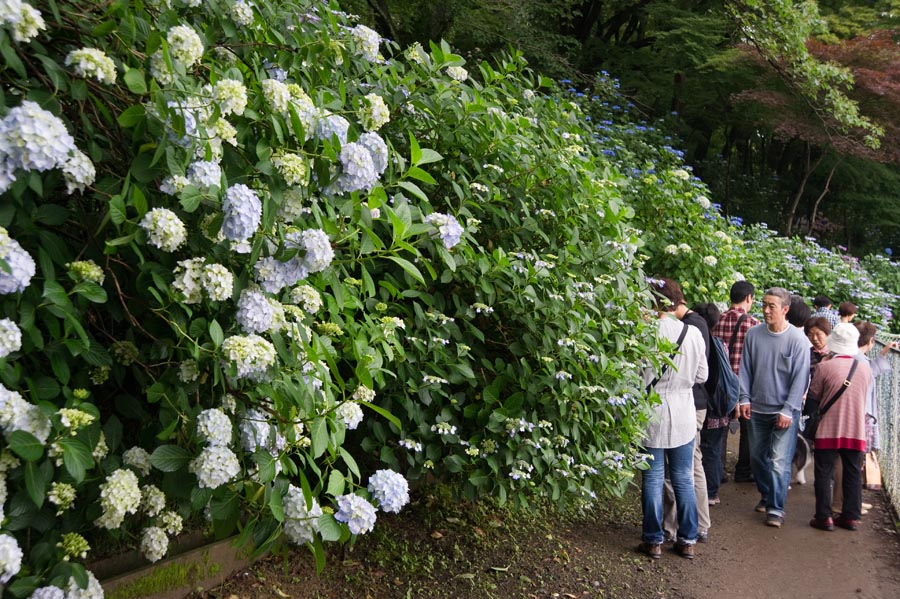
(260,268)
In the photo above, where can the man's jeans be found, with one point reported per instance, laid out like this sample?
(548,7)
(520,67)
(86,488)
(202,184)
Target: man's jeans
(711,448)
(681,471)
(771,453)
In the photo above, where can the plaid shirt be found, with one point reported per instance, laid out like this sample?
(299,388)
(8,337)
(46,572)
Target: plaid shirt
(725,329)
(829,314)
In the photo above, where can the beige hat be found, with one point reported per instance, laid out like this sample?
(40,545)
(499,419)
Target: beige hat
(843,339)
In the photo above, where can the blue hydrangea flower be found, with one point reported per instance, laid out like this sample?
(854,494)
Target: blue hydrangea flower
(254,314)
(332,125)
(243,213)
(358,513)
(389,489)
(377,149)
(359,171)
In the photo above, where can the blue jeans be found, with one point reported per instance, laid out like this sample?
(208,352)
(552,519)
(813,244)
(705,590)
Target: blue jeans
(711,445)
(771,452)
(681,472)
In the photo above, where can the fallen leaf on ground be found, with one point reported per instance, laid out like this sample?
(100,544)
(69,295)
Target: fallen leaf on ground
(437,535)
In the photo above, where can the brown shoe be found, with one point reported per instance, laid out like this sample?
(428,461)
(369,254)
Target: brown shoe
(846,523)
(685,550)
(652,550)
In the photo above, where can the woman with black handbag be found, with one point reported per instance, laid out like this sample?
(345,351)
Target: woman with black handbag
(840,386)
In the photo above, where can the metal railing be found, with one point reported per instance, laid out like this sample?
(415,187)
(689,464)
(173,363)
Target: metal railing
(888,393)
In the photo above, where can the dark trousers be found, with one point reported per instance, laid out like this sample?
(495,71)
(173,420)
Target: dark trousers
(851,485)
(711,446)
(742,470)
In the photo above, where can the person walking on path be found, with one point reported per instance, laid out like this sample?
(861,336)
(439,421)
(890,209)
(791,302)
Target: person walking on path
(824,309)
(841,386)
(672,427)
(731,329)
(774,375)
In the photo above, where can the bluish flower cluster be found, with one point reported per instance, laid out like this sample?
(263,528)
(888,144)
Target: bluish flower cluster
(333,125)
(389,489)
(358,169)
(254,313)
(358,513)
(448,228)
(21,265)
(243,212)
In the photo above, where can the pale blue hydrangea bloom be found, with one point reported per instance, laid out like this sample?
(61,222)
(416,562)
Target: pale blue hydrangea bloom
(274,275)
(243,212)
(32,138)
(389,489)
(205,173)
(318,254)
(254,313)
(449,229)
(21,265)
(359,171)
(48,592)
(356,512)
(377,149)
(332,125)
(300,523)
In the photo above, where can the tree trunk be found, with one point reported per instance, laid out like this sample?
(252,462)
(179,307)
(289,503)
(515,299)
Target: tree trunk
(807,171)
(812,220)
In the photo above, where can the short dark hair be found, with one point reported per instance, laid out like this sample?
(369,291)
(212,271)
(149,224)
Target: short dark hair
(817,322)
(866,330)
(847,309)
(708,311)
(822,301)
(799,312)
(668,294)
(740,290)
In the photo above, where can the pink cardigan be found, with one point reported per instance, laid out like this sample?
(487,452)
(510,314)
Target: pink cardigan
(844,425)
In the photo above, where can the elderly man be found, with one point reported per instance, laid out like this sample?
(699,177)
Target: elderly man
(774,374)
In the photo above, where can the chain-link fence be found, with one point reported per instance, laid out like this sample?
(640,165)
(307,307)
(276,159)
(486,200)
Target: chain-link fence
(888,393)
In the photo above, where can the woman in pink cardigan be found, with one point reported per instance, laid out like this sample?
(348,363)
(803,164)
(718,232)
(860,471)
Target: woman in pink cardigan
(842,429)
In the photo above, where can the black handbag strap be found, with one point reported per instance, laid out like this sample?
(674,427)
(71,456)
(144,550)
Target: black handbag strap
(825,407)
(734,333)
(665,367)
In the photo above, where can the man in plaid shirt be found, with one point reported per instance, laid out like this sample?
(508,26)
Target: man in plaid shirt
(732,336)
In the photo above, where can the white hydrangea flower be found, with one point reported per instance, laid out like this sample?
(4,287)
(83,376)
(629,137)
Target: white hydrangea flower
(154,543)
(217,281)
(243,212)
(378,150)
(350,414)
(215,466)
(138,458)
(10,337)
(62,495)
(187,281)
(171,522)
(276,94)
(292,167)
(704,202)
(205,173)
(185,45)
(231,96)
(86,270)
(120,495)
(307,297)
(364,393)
(159,69)
(251,354)
(10,557)
(101,449)
(49,592)
(241,13)
(164,229)
(32,138)
(300,523)
(21,265)
(684,248)
(671,249)
(214,427)
(93,63)
(174,184)
(358,513)
(305,109)
(292,206)
(710,260)
(389,489)
(448,228)
(78,171)
(188,371)
(358,169)
(318,254)
(367,42)
(93,590)
(153,501)
(373,113)
(27,24)
(16,414)
(458,73)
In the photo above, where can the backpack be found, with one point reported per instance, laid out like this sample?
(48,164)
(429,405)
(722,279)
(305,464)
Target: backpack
(728,388)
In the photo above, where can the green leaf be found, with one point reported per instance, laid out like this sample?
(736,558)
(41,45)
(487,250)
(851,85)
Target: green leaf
(351,463)
(409,267)
(329,528)
(413,189)
(420,175)
(216,333)
(9,55)
(50,214)
(319,434)
(169,458)
(25,445)
(56,294)
(134,80)
(427,157)
(415,153)
(336,484)
(91,291)
(117,210)
(266,464)
(77,458)
(132,115)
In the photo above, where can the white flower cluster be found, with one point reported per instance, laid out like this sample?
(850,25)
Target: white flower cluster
(48,592)
(86,270)
(332,125)
(241,13)
(120,494)
(358,513)
(373,113)
(21,265)
(243,212)
(307,297)
(318,250)
(358,169)
(367,42)
(710,260)
(154,543)
(24,20)
(164,229)
(214,427)
(458,73)
(138,458)
(153,501)
(350,414)
(448,228)
(282,97)
(215,466)
(171,522)
(252,355)
(91,62)
(187,279)
(10,337)
(205,173)
(62,495)
(185,46)
(258,432)
(292,167)
(10,557)
(389,489)
(231,96)
(32,138)
(16,414)
(93,590)
(443,428)
(301,523)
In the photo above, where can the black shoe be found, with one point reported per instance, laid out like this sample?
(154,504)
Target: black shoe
(744,479)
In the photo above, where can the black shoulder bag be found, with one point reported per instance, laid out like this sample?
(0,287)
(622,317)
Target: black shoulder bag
(816,412)
(665,367)
(734,334)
